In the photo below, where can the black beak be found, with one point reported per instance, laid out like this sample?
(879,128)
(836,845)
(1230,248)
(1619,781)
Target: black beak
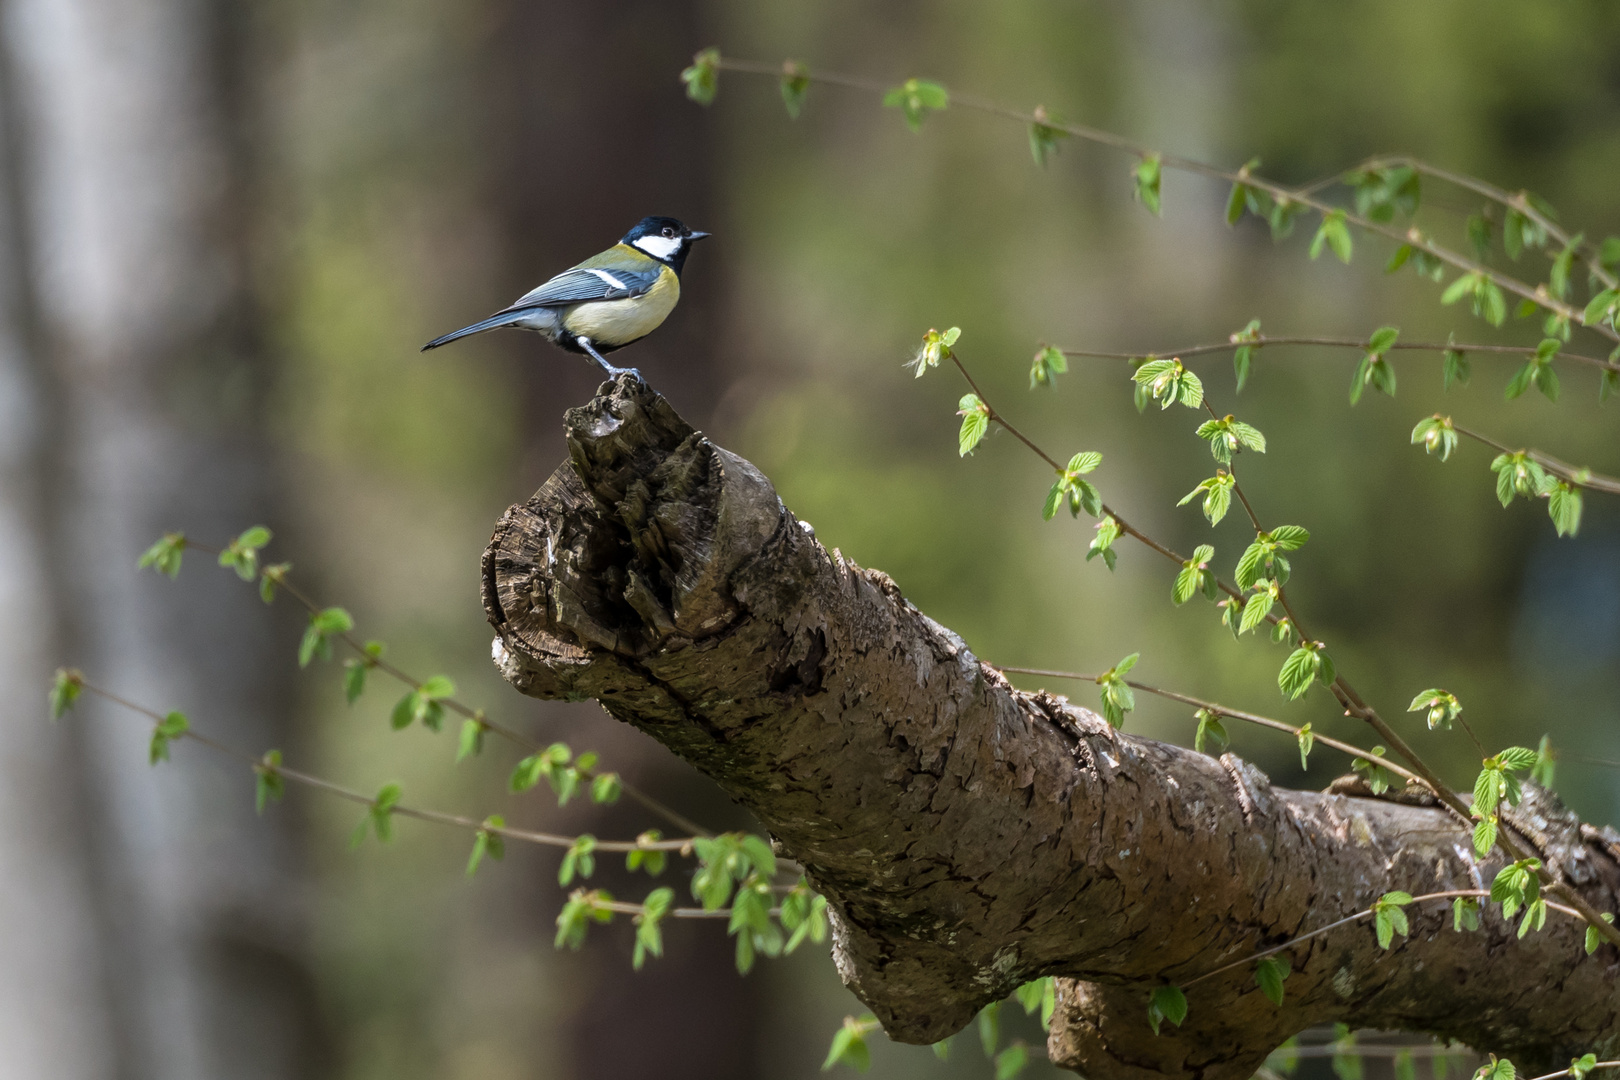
(697,235)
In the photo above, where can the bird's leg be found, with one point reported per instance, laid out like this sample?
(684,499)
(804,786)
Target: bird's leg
(613,372)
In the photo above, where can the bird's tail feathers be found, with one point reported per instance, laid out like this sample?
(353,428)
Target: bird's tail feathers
(505,318)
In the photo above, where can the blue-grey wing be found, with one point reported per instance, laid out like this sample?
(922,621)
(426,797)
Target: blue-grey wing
(581,284)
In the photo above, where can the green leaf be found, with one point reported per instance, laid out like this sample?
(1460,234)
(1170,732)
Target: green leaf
(1298,672)
(1594,936)
(1346,1060)
(1487,790)
(1517,758)
(1011,1061)
(1456,368)
(606,788)
(1545,766)
(1054,499)
(1281,217)
(805,914)
(437,688)
(1117,696)
(1463,286)
(1375,371)
(354,680)
(975,422)
(1600,310)
(1195,576)
(1485,835)
(1389,918)
(1435,433)
(268,785)
(1380,193)
(1217,493)
(1496,1070)
(527,773)
(406,711)
(1306,740)
(471,740)
(1049,363)
(649,936)
(580,858)
(1211,737)
(990,1028)
(1169,382)
(270,578)
(1285,1059)
(934,348)
(849,1045)
(1289,537)
(1465,914)
(1043,136)
(1167,1003)
(1146,176)
(795,84)
(1031,994)
(644,858)
(1269,974)
(1257,608)
(1383,339)
(915,97)
(164,556)
(1564,507)
(1236,202)
(1334,234)
(379,816)
(1251,565)
(1379,779)
(1579,1067)
(65,689)
(170,728)
(488,843)
(1108,530)
(583,908)
(323,626)
(1441,706)
(1242,361)
(702,79)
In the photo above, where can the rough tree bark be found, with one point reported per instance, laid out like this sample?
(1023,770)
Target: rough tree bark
(971,836)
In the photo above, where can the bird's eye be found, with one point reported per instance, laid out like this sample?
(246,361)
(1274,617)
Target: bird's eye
(668,231)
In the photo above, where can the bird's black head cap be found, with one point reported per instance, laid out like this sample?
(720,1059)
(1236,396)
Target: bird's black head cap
(664,238)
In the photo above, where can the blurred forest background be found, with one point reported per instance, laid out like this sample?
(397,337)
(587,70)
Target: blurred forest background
(226,228)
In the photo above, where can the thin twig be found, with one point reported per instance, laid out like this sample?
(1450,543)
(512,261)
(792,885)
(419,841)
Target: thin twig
(1279,192)
(511,735)
(261,767)
(1338,343)
(1579,477)
(1222,710)
(1357,917)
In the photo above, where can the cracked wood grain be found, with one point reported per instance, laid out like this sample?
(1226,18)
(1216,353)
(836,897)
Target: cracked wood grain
(970,836)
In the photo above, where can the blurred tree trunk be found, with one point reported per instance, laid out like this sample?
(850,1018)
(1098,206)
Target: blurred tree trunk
(52,1023)
(590,132)
(137,205)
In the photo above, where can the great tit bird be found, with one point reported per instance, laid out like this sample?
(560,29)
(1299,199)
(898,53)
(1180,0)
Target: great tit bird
(607,301)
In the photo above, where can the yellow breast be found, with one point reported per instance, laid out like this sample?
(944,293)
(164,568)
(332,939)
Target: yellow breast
(619,322)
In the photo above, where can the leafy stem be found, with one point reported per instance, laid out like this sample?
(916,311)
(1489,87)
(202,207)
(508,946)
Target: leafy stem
(1335,218)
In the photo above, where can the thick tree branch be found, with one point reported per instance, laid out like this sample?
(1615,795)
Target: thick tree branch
(971,836)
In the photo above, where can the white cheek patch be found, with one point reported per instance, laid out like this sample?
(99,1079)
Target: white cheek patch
(659,247)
